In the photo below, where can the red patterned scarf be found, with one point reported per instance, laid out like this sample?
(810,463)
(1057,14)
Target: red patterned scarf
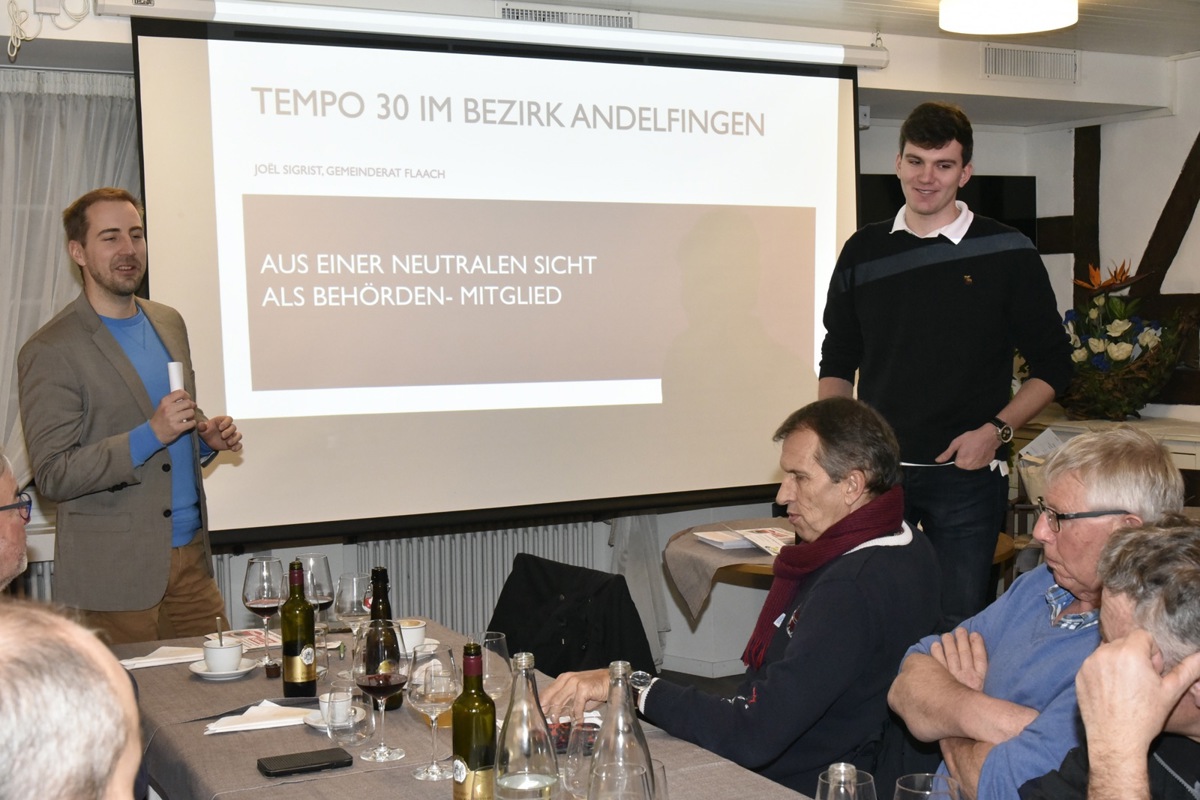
(882,516)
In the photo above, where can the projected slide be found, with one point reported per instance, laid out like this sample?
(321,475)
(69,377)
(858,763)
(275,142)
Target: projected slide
(500,209)
(432,278)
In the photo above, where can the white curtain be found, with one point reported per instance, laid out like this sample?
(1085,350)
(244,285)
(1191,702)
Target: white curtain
(637,555)
(61,134)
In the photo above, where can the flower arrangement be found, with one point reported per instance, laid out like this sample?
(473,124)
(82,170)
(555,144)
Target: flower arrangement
(1121,360)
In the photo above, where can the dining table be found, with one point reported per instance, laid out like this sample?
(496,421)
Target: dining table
(183,763)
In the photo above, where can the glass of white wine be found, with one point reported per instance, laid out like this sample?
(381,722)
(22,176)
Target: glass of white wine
(433,685)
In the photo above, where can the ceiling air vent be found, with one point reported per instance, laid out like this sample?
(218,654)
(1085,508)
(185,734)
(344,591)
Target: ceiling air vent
(1030,63)
(596,18)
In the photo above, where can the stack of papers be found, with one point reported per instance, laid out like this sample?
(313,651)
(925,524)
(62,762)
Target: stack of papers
(249,637)
(769,540)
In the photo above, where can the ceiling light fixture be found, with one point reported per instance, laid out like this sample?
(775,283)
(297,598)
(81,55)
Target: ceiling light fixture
(1006,17)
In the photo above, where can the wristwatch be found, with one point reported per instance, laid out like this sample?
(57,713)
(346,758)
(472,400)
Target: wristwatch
(1004,431)
(640,681)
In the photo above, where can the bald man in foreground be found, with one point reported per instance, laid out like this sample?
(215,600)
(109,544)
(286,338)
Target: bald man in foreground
(68,718)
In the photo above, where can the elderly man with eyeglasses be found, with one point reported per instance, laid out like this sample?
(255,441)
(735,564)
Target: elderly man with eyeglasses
(998,693)
(14,513)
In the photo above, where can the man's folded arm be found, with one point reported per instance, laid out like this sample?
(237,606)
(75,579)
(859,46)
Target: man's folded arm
(964,760)
(934,705)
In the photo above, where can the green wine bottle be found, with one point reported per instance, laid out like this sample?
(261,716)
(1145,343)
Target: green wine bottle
(299,638)
(474,716)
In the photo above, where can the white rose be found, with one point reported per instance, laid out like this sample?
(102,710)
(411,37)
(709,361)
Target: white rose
(1075,341)
(1079,356)
(1096,345)
(1094,314)
(1149,338)
(1100,299)
(1118,327)
(1119,351)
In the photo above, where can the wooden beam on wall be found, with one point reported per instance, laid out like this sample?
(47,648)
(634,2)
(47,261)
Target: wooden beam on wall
(1086,233)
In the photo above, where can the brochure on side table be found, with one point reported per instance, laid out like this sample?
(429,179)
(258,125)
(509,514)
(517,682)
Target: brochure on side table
(769,540)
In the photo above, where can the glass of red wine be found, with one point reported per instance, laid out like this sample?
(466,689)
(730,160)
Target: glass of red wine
(381,669)
(262,593)
(318,582)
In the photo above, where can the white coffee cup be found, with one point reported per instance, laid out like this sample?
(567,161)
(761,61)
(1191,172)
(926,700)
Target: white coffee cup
(335,705)
(413,631)
(222,657)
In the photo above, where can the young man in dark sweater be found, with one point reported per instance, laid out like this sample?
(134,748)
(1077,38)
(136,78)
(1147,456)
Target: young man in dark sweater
(927,309)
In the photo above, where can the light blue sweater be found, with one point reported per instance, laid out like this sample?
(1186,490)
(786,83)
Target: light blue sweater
(1032,663)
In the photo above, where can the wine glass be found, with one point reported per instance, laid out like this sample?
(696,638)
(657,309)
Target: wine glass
(576,765)
(318,585)
(922,785)
(262,593)
(497,669)
(350,603)
(620,781)
(434,683)
(863,787)
(381,669)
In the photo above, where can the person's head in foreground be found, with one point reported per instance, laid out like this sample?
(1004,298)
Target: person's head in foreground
(68,719)
(1097,483)
(13,555)
(838,455)
(1151,578)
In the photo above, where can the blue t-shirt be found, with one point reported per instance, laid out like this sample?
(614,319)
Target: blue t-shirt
(149,357)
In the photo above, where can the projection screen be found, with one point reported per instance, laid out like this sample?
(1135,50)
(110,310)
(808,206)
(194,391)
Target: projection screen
(435,277)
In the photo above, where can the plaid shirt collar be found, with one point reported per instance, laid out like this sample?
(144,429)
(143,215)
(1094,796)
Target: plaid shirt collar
(1059,598)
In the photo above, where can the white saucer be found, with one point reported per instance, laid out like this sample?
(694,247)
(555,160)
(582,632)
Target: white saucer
(314,720)
(429,640)
(201,669)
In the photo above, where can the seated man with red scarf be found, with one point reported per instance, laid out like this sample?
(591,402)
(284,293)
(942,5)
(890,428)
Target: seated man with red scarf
(844,606)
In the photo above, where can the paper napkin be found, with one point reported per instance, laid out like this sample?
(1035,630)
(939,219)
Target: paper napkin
(264,715)
(165,655)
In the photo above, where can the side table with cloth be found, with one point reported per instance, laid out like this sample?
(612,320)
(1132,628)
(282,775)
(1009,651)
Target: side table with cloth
(693,564)
(185,764)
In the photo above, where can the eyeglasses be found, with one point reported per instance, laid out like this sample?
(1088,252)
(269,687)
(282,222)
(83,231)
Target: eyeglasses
(1055,519)
(23,506)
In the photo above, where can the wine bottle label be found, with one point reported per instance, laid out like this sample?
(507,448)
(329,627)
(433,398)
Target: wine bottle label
(479,784)
(297,669)
(308,655)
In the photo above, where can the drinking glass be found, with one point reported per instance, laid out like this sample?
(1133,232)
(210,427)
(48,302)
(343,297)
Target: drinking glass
(434,683)
(620,782)
(318,585)
(350,603)
(577,762)
(864,788)
(262,593)
(660,780)
(497,670)
(347,714)
(381,669)
(921,785)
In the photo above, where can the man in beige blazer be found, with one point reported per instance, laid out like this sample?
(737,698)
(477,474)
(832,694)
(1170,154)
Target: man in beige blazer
(114,446)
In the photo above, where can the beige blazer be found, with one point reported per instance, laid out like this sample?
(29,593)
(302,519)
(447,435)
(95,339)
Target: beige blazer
(80,399)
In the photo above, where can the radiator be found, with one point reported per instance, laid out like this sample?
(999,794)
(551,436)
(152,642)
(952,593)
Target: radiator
(35,583)
(456,578)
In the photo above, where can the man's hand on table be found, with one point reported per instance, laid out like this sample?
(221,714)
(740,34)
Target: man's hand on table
(579,691)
